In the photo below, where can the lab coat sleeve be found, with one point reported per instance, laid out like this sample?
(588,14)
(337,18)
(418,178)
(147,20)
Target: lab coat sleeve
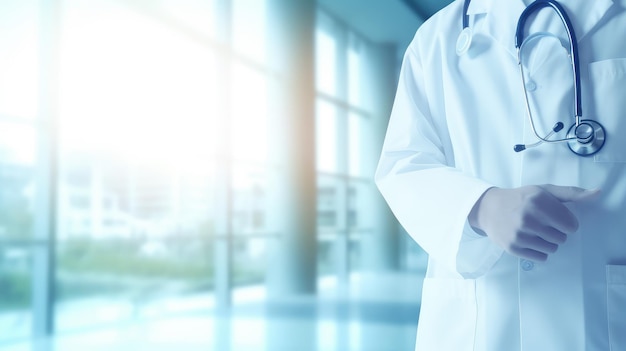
(427,194)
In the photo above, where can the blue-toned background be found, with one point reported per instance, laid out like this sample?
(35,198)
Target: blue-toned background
(198,175)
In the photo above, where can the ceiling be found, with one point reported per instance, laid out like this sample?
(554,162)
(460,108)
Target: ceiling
(383,20)
(426,8)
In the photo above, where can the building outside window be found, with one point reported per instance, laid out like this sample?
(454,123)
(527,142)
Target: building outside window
(343,123)
(129,153)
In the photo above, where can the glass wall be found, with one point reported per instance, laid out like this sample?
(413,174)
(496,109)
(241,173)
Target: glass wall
(20,243)
(135,145)
(124,156)
(343,125)
(136,159)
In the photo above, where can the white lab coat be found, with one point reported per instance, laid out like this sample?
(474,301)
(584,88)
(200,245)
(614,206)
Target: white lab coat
(450,137)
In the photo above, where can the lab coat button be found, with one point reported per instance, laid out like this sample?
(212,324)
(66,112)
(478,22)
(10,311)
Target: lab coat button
(527,265)
(531,86)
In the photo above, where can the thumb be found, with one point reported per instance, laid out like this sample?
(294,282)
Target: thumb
(570,193)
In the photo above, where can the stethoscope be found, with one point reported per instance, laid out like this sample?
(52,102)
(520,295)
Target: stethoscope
(585,137)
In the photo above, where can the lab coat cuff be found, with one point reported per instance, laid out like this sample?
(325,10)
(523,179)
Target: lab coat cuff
(477,253)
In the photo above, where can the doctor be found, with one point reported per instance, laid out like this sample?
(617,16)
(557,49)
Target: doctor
(527,250)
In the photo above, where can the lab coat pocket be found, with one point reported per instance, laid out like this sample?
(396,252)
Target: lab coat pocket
(447,318)
(616,305)
(608,79)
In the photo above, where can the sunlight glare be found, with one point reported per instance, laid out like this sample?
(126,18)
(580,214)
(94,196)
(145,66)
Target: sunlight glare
(134,87)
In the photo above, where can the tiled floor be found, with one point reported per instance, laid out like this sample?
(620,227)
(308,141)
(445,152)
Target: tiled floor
(375,312)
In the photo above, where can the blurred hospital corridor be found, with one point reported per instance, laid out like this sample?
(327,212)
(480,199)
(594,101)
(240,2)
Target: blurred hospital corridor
(199,175)
(379,312)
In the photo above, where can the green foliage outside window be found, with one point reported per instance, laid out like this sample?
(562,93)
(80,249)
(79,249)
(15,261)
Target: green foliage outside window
(14,289)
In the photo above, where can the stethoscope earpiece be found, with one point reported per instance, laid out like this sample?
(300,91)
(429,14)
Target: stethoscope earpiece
(464,41)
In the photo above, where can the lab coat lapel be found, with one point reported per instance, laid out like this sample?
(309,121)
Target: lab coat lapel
(501,21)
(585,14)
(502,17)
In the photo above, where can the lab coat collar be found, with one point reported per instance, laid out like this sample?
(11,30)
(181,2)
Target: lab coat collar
(478,7)
(502,17)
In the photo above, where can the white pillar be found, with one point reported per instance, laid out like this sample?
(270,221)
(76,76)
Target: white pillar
(292,214)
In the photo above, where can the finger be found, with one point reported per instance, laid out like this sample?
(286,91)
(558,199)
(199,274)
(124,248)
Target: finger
(552,235)
(570,193)
(555,214)
(590,194)
(532,226)
(533,242)
(529,254)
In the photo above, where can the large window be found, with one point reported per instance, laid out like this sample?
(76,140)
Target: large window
(136,160)
(136,164)
(343,124)
(21,244)
(127,157)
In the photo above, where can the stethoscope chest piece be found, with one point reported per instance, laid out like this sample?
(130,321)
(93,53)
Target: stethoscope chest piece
(464,41)
(587,137)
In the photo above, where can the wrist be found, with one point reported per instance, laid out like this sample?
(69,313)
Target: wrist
(474,218)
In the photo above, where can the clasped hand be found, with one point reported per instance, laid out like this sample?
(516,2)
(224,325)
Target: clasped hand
(529,222)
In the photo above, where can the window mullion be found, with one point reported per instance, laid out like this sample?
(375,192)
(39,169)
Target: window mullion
(44,263)
(223,178)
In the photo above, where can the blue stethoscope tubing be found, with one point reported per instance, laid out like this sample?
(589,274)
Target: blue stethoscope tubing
(519,40)
(464,40)
(585,137)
